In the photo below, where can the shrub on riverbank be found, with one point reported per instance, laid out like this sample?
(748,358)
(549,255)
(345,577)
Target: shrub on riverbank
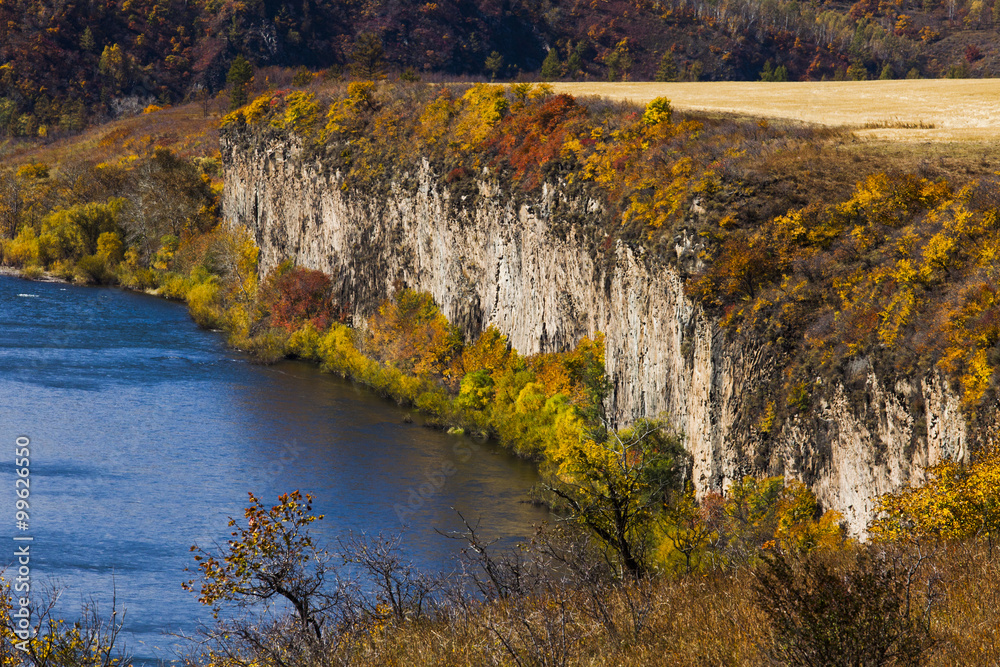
(483,387)
(556,600)
(912,600)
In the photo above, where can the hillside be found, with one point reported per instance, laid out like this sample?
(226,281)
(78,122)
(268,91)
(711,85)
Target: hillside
(65,66)
(852,263)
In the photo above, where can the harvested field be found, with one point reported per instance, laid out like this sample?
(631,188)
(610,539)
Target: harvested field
(903,110)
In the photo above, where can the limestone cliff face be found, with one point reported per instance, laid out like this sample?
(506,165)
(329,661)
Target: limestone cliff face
(490,261)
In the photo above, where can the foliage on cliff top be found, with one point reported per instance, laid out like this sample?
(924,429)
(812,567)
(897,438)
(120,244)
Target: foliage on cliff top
(899,279)
(643,166)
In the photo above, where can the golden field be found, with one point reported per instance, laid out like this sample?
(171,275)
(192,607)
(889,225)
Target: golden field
(906,110)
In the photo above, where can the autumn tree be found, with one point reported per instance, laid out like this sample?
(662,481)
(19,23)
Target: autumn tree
(114,65)
(94,639)
(687,528)
(759,513)
(167,196)
(410,333)
(271,556)
(958,502)
(616,488)
(75,231)
(12,203)
(294,296)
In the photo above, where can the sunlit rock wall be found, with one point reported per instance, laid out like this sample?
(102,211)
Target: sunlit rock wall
(489,260)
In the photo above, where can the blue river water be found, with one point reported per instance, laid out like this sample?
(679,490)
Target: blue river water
(146,434)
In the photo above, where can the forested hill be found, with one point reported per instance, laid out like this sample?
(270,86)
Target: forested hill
(67,64)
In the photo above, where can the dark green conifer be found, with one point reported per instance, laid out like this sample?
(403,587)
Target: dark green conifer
(667,70)
(240,74)
(551,67)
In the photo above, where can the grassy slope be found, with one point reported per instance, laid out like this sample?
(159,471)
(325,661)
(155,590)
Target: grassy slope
(960,110)
(188,130)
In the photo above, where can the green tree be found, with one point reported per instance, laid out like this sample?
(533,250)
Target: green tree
(694,71)
(667,71)
(773,74)
(494,64)
(87,40)
(551,66)
(576,59)
(368,57)
(857,72)
(240,74)
(574,62)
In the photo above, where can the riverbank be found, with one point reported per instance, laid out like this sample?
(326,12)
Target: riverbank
(147,433)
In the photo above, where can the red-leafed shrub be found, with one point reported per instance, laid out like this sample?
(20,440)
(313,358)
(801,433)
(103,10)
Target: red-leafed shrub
(535,136)
(299,295)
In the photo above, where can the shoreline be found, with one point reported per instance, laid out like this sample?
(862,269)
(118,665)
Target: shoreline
(427,419)
(48,277)
(19,273)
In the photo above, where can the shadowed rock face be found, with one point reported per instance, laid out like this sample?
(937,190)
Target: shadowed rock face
(490,260)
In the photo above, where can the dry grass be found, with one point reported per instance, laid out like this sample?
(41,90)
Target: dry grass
(905,110)
(695,621)
(712,619)
(186,130)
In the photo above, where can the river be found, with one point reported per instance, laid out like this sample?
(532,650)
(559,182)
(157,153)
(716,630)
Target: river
(146,433)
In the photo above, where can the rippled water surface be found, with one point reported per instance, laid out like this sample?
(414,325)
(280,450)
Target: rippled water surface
(147,433)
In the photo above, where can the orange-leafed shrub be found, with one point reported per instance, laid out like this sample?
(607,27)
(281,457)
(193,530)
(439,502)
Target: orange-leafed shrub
(410,333)
(535,136)
(572,373)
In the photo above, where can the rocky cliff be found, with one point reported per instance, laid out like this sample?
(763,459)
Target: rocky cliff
(489,259)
